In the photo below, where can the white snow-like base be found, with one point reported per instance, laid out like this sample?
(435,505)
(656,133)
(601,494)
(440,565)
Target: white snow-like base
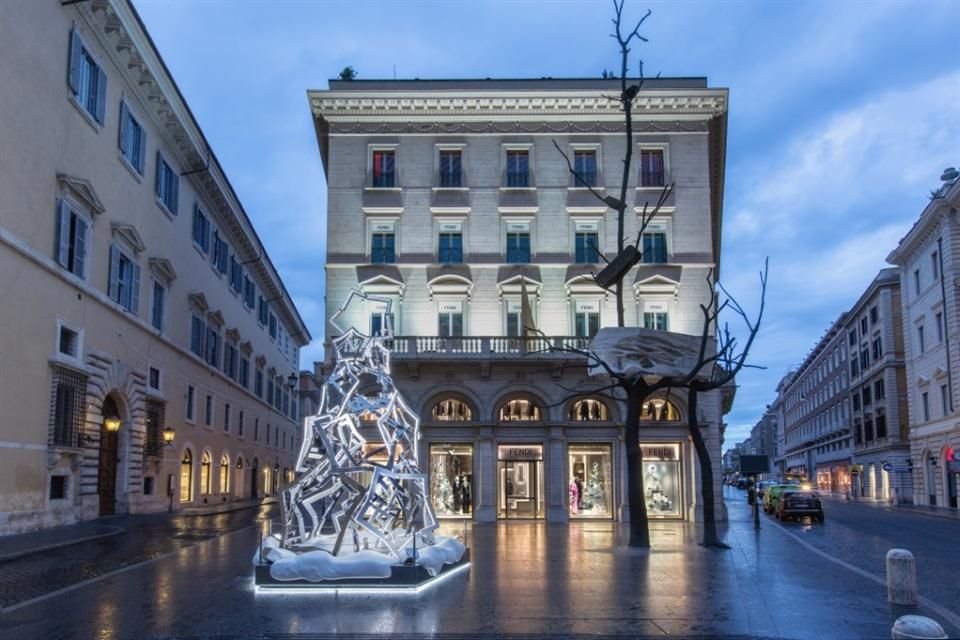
(320,564)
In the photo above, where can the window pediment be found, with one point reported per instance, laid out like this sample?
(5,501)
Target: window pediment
(246,348)
(81,190)
(233,334)
(215,317)
(129,235)
(162,269)
(449,279)
(198,301)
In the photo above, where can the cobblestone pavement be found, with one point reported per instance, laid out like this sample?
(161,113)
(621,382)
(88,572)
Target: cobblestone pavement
(146,537)
(527,580)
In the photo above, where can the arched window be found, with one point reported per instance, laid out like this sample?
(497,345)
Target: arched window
(452,410)
(186,476)
(589,410)
(520,409)
(205,473)
(224,474)
(660,410)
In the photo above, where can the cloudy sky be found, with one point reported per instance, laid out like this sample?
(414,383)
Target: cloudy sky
(842,117)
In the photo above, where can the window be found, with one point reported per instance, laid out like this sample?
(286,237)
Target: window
(384,168)
(73,239)
(270,399)
(230,360)
(877,348)
(935,264)
(69,400)
(925,404)
(944,400)
(864,360)
(153,444)
(258,382)
(224,474)
(272,326)
(655,320)
(518,168)
(240,417)
(197,332)
(881,423)
(586,245)
(86,79)
(450,320)
(586,320)
(853,337)
(520,410)
(236,274)
(451,170)
(191,403)
(226,416)
(159,302)
(879,391)
(854,367)
(916,281)
(864,327)
(263,311)
(58,487)
(867,396)
(221,253)
(589,410)
(585,167)
(256,429)
(381,324)
(382,247)
(168,185)
(186,477)
(451,410)
(654,247)
(518,247)
(68,342)
(124,286)
(132,139)
(213,346)
(659,410)
(208,411)
(153,378)
(939,320)
(868,427)
(450,248)
(249,292)
(514,319)
(921,344)
(651,168)
(856,402)
(205,473)
(857,431)
(201,229)
(245,373)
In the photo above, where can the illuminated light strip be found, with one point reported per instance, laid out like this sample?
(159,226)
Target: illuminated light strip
(407,591)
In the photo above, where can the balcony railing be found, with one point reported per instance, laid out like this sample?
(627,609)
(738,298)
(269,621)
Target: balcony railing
(480,347)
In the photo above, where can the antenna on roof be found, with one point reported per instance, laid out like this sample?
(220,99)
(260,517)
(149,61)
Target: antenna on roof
(394,72)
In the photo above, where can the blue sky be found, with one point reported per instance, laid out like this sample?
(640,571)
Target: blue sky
(842,117)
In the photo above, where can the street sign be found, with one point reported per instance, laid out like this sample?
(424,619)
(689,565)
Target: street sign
(887,467)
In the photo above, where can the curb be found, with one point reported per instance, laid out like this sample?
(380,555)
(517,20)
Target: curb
(57,545)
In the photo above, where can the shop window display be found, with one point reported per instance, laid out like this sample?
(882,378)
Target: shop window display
(520,409)
(589,410)
(659,410)
(590,488)
(451,480)
(452,410)
(661,480)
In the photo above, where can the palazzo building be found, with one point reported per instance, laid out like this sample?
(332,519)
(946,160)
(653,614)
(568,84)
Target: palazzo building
(928,258)
(139,303)
(450,199)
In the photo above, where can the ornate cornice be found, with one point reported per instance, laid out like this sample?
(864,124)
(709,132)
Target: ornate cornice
(513,127)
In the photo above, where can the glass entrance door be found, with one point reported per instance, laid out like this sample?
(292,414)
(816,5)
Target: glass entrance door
(520,476)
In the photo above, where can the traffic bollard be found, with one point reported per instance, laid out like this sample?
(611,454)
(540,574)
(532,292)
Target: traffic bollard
(915,628)
(901,577)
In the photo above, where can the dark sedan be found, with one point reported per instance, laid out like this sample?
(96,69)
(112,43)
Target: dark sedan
(796,504)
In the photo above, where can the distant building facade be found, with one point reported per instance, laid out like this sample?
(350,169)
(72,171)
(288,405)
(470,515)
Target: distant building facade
(928,259)
(448,198)
(139,300)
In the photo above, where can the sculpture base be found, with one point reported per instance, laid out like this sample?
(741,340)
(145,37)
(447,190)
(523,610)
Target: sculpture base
(403,578)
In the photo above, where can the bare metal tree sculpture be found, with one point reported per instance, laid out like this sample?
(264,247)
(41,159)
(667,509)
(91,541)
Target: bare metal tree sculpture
(345,486)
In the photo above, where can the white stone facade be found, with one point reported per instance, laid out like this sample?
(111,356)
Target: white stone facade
(453,314)
(928,258)
(107,270)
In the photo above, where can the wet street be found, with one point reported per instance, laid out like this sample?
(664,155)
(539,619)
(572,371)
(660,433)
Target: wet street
(529,580)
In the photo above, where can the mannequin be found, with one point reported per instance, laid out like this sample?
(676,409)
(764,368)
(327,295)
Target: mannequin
(457,491)
(465,497)
(574,497)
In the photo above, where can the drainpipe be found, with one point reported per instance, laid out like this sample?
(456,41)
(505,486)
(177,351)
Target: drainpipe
(946,324)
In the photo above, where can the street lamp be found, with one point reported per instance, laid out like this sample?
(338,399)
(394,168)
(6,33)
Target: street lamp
(111,424)
(168,435)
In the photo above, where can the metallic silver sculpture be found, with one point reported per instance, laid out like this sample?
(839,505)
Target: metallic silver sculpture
(346,487)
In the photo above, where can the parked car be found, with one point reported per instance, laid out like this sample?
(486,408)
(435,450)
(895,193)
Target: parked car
(772,494)
(742,483)
(795,504)
(762,487)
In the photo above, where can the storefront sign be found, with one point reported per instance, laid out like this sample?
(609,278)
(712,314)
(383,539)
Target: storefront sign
(656,226)
(451,307)
(587,226)
(588,306)
(382,227)
(655,307)
(520,452)
(660,451)
(518,227)
(514,306)
(451,227)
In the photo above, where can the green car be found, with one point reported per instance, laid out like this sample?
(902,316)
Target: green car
(772,494)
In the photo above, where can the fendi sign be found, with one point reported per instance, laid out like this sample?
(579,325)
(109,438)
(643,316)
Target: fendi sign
(520,452)
(659,451)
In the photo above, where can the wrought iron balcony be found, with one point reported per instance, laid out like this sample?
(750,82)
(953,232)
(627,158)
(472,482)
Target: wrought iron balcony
(484,347)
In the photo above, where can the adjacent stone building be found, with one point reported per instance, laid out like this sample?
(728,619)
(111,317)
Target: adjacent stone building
(928,258)
(139,303)
(450,199)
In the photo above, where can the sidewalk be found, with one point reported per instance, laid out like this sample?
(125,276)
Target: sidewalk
(22,544)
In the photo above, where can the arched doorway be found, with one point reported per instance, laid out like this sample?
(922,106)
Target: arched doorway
(238,483)
(254,469)
(107,468)
(186,476)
